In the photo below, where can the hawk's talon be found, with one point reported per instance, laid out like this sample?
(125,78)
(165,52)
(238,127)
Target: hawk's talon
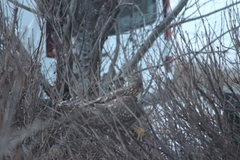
(139,131)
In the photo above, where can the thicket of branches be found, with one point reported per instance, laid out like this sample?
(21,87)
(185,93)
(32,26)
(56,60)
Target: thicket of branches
(194,114)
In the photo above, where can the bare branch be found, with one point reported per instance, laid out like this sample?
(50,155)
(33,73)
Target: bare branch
(202,16)
(24,7)
(153,36)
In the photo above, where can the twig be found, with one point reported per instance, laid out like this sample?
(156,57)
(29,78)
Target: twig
(24,7)
(202,16)
(152,37)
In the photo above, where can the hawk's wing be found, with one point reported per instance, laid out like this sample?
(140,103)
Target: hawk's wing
(124,110)
(132,90)
(76,102)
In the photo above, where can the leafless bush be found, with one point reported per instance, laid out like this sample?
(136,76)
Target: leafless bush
(201,110)
(194,115)
(200,120)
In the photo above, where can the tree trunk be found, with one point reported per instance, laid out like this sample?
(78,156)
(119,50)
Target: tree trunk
(80,31)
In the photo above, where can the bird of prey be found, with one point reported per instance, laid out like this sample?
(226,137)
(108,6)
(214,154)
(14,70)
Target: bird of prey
(121,107)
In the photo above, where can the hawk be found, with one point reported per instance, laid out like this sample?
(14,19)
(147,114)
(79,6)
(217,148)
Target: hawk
(119,107)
